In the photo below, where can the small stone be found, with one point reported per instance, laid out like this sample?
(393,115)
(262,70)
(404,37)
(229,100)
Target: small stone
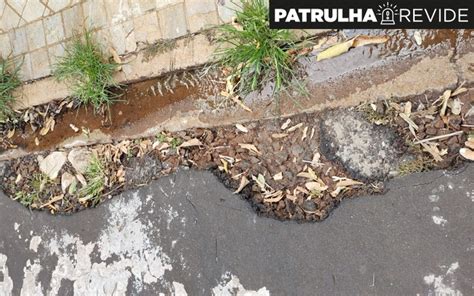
(79,159)
(52,164)
(309,205)
(439,124)
(431,131)
(66,180)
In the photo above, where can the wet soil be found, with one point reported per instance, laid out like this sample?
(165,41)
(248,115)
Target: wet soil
(139,104)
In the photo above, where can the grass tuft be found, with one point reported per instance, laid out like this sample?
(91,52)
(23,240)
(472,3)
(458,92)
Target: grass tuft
(87,72)
(254,53)
(95,176)
(8,82)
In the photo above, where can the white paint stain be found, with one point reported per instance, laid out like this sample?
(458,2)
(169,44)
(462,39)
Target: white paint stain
(179,289)
(6,284)
(445,284)
(126,252)
(34,243)
(16,226)
(230,286)
(439,220)
(434,198)
(31,287)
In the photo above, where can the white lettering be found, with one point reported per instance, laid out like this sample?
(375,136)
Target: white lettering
(461,15)
(279,14)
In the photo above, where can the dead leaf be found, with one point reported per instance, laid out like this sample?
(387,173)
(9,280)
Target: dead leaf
(241,128)
(10,133)
(343,47)
(294,127)
(278,177)
(467,153)
(445,98)
(116,58)
(251,148)
(279,136)
(305,132)
(74,128)
(243,182)
(274,197)
(260,180)
(286,124)
(225,166)
(469,143)
(455,106)
(418,39)
(37,142)
(432,148)
(53,200)
(191,143)
(240,103)
(315,186)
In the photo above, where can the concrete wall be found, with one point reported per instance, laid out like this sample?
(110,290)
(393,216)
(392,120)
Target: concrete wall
(35,32)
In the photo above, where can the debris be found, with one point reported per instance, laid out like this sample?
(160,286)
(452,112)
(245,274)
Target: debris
(469,144)
(311,186)
(274,197)
(286,124)
(52,200)
(295,127)
(240,103)
(278,177)
(432,148)
(418,39)
(251,148)
(455,106)
(279,136)
(66,180)
(241,128)
(52,164)
(439,137)
(444,98)
(260,180)
(243,182)
(343,47)
(74,128)
(79,159)
(191,143)
(467,153)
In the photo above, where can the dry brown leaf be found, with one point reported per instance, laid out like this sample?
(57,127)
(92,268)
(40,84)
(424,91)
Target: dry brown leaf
(241,128)
(10,133)
(260,180)
(467,153)
(274,197)
(278,177)
(240,103)
(469,143)
(251,148)
(311,186)
(459,90)
(343,47)
(295,127)
(191,143)
(243,182)
(432,148)
(305,133)
(285,125)
(37,142)
(455,106)
(345,182)
(74,128)
(279,136)
(445,98)
(53,200)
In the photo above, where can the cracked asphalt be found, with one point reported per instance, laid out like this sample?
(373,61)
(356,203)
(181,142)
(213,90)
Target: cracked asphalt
(186,234)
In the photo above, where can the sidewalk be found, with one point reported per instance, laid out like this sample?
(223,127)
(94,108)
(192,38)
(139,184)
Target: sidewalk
(188,235)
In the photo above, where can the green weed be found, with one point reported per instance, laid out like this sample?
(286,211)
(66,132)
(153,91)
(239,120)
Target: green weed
(95,176)
(87,72)
(8,82)
(255,53)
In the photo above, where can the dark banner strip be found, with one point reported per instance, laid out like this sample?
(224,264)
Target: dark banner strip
(396,14)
